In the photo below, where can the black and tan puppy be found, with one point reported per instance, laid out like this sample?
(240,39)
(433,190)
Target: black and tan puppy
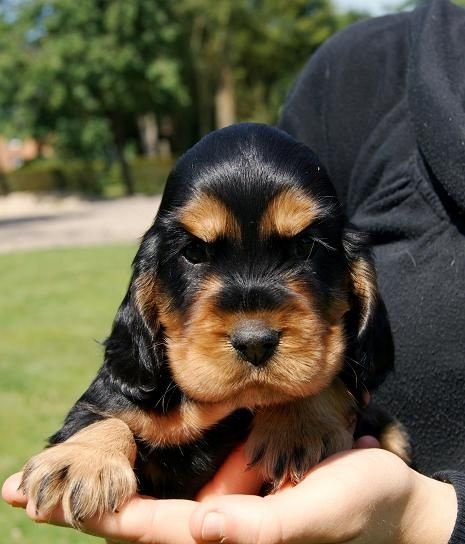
(252,314)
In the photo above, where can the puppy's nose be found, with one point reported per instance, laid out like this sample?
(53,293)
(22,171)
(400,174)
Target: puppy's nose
(255,342)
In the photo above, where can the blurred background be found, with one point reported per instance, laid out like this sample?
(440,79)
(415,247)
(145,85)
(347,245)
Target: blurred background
(99,96)
(97,99)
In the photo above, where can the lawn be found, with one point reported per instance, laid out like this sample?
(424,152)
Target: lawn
(55,307)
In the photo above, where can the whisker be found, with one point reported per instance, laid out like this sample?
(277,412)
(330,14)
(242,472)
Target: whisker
(355,373)
(354,361)
(161,400)
(324,244)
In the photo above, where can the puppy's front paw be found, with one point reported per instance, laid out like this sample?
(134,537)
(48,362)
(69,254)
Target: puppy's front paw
(82,479)
(284,458)
(286,441)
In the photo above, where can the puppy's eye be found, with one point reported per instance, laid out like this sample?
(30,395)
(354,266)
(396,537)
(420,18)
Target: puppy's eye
(304,247)
(197,252)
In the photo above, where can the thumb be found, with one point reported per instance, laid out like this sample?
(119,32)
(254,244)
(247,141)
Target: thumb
(237,519)
(366,442)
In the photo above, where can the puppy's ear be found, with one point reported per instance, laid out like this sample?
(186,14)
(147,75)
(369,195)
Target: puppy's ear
(134,351)
(370,352)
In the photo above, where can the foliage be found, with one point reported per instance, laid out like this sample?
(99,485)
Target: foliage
(81,74)
(88,68)
(285,34)
(263,42)
(58,305)
(92,177)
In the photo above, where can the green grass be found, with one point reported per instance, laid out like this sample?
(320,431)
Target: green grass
(54,308)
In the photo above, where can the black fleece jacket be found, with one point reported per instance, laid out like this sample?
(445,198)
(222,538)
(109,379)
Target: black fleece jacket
(383,105)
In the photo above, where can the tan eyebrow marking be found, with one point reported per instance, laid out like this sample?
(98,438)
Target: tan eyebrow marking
(208,218)
(289,213)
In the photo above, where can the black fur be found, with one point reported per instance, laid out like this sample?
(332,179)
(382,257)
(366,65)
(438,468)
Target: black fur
(244,166)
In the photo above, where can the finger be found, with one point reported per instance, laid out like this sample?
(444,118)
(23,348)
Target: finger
(146,520)
(11,492)
(365,442)
(247,519)
(366,397)
(282,517)
(237,519)
(142,519)
(234,477)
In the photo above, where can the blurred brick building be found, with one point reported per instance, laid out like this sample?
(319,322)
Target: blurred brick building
(15,152)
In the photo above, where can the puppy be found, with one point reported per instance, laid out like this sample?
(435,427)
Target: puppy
(252,314)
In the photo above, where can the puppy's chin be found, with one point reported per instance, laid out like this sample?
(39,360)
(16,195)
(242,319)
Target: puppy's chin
(249,393)
(246,396)
(221,376)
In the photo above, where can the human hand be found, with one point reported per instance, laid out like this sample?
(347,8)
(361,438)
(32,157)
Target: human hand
(363,496)
(359,497)
(144,519)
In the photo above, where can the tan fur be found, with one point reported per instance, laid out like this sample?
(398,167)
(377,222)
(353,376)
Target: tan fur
(89,473)
(297,435)
(154,305)
(364,286)
(208,218)
(147,298)
(179,426)
(288,213)
(394,438)
(207,368)
(333,314)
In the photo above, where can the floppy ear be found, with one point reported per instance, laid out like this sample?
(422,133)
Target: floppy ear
(134,351)
(370,352)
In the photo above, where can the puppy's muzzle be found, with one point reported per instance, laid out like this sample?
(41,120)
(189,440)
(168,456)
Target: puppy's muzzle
(254,342)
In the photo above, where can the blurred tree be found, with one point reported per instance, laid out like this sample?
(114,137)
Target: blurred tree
(283,36)
(99,75)
(243,55)
(90,68)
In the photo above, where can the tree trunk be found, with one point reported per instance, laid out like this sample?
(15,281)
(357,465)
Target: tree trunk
(4,187)
(202,77)
(119,140)
(148,130)
(225,100)
(204,100)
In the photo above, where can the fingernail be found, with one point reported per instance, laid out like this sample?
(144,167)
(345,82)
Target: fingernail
(212,527)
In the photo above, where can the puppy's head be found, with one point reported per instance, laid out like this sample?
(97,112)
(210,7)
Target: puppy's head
(249,287)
